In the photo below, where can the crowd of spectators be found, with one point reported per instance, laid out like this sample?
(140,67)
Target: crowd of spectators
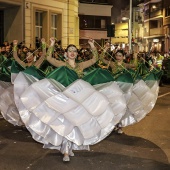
(152,60)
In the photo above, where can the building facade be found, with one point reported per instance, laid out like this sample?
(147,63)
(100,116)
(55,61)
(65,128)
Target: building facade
(166,24)
(27,20)
(94,17)
(153,25)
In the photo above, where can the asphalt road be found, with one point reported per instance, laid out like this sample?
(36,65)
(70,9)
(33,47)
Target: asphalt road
(143,146)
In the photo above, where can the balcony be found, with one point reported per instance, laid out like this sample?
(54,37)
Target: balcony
(156,31)
(155,13)
(166,20)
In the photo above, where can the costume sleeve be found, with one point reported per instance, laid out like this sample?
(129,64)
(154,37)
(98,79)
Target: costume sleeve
(131,66)
(90,62)
(40,61)
(15,55)
(52,60)
(134,63)
(102,58)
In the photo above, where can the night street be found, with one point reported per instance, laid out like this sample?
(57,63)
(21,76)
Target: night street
(145,145)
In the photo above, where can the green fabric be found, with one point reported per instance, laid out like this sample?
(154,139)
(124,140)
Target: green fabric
(135,75)
(150,76)
(46,67)
(63,75)
(5,70)
(158,74)
(2,59)
(142,70)
(154,75)
(98,76)
(8,62)
(5,77)
(32,70)
(124,77)
(16,68)
(5,74)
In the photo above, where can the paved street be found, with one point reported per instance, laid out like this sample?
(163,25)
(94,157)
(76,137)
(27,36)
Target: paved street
(143,146)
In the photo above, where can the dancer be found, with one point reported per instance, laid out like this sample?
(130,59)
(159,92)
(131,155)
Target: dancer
(9,110)
(74,116)
(30,55)
(71,54)
(118,64)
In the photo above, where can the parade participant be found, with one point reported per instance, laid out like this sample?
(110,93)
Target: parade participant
(117,65)
(29,61)
(11,114)
(77,115)
(71,54)
(159,60)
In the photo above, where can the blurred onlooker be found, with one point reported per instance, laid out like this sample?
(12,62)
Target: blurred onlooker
(3,49)
(8,53)
(37,42)
(23,54)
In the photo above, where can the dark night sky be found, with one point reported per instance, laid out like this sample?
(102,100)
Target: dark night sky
(117,6)
(119,3)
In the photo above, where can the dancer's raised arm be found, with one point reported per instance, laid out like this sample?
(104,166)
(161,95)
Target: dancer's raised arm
(50,59)
(102,55)
(41,59)
(15,54)
(94,59)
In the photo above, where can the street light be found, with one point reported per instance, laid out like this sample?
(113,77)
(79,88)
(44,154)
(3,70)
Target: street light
(129,26)
(129,33)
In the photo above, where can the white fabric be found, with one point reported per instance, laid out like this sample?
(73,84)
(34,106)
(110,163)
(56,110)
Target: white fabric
(78,113)
(7,105)
(142,101)
(76,116)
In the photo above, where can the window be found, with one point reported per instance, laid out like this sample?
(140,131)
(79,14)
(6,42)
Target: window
(136,16)
(146,10)
(94,22)
(95,1)
(167,11)
(54,25)
(103,23)
(38,24)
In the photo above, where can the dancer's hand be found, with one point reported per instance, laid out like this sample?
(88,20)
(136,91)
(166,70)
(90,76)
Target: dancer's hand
(91,43)
(43,40)
(52,39)
(135,55)
(15,42)
(107,45)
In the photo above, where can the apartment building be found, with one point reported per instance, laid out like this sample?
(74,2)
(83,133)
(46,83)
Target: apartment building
(27,19)
(166,24)
(94,17)
(123,28)
(153,25)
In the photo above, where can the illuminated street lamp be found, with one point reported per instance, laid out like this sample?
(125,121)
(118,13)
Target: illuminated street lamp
(129,27)
(129,33)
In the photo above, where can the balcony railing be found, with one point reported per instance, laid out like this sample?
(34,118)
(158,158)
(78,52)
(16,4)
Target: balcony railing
(156,31)
(156,13)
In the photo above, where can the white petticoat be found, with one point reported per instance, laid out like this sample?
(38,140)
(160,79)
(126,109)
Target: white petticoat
(78,113)
(7,105)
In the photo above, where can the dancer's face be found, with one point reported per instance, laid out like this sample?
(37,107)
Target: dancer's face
(119,57)
(72,52)
(30,57)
